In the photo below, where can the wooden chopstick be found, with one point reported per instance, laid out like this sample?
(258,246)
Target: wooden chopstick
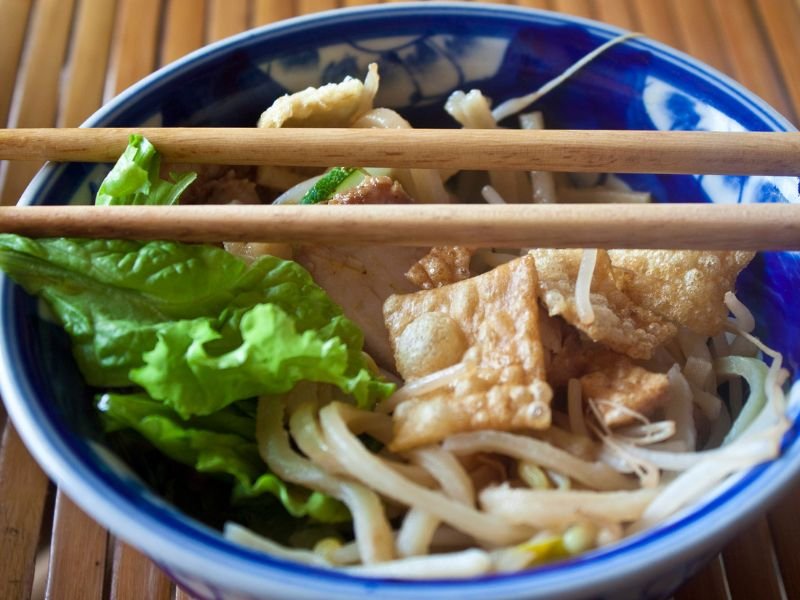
(689,226)
(773,153)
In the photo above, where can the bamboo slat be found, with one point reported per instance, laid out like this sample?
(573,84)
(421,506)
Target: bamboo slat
(709,583)
(135,577)
(23,487)
(700,33)
(184,29)
(12,35)
(751,64)
(305,7)
(534,3)
(781,19)
(579,8)
(88,61)
(77,554)
(751,567)
(616,12)
(269,11)
(226,18)
(36,100)
(657,20)
(785,530)
(136,35)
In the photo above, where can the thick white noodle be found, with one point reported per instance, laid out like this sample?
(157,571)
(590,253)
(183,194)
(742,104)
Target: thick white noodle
(491,195)
(742,316)
(683,461)
(596,475)
(416,533)
(472,111)
(372,530)
(367,468)
(703,477)
(308,437)
(424,185)
(679,410)
(450,473)
(583,286)
(245,537)
(418,526)
(467,563)
(558,508)
(543,185)
(515,105)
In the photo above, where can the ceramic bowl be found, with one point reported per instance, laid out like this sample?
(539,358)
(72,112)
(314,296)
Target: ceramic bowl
(425,51)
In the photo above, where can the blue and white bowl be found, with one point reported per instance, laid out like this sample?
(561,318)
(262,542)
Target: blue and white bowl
(425,51)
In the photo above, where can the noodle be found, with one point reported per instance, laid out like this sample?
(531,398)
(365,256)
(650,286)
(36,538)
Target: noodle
(554,508)
(583,284)
(372,530)
(595,475)
(515,105)
(542,183)
(365,467)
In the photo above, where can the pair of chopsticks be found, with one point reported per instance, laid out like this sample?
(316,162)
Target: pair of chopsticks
(763,226)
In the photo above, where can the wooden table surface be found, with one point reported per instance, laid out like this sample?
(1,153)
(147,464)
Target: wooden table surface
(61,59)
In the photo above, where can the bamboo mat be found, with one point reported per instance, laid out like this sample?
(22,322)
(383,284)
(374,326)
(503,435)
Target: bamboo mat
(61,59)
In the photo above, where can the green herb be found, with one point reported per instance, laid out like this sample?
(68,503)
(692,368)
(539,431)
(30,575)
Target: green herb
(326,186)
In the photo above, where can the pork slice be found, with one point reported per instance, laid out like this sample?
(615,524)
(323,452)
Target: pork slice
(360,279)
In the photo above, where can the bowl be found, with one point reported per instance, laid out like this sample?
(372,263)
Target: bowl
(425,51)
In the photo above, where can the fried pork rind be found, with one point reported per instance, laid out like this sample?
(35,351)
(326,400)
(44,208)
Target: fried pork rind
(618,323)
(622,389)
(684,286)
(331,105)
(443,265)
(490,323)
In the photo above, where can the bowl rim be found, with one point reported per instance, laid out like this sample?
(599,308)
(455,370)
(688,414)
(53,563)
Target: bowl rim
(191,550)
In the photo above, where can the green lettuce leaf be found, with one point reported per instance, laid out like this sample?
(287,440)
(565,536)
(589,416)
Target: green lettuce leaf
(267,355)
(123,301)
(222,444)
(135,178)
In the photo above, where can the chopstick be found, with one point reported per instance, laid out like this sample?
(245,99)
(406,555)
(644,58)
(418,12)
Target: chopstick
(675,226)
(773,153)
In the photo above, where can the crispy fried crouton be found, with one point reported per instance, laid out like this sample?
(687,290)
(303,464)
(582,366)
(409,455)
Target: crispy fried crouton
(618,322)
(504,386)
(616,384)
(331,105)
(684,286)
(443,265)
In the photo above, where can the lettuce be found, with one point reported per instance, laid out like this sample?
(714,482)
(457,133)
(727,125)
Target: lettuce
(267,355)
(135,178)
(198,331)
(222,444)
(194,325)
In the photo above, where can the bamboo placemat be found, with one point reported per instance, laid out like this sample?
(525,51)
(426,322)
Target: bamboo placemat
(61,59)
